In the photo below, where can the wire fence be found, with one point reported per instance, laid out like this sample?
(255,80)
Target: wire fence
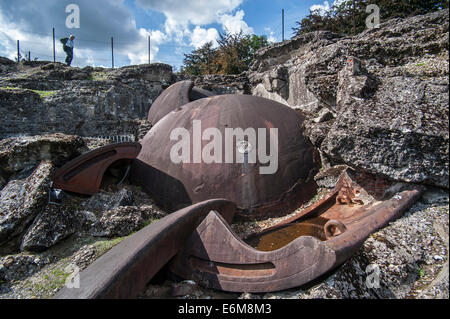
(88,51)
(113,52)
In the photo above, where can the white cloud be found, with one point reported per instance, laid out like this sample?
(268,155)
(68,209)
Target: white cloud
(139,54)
(200,36)
(235,23)
(337,3)
(181,14)
(270,35)
(31,22)
(321,8)
(325,7)
(198,12)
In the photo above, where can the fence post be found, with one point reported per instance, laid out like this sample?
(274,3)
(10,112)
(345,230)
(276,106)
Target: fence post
(354,19)
(54,55)
(29,56)
(112,52)
(18,52)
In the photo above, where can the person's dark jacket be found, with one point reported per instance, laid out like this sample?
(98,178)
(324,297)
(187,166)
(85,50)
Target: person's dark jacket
(64,41)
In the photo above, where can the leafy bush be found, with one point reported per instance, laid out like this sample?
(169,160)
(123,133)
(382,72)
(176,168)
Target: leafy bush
(233,55)
(349,17)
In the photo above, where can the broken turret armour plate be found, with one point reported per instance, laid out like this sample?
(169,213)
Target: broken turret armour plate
(84,174)
(125,270)
(246,149)
(294,252)
(173,97)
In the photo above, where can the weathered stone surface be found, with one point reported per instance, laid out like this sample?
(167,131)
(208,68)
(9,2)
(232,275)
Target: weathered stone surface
(16,267)
(6,61)
(52,225)
(328,178)
(26,164)
(6,66)
(19,153)
(223,84)
(324,115)
(183,288)
(85,256)
(46,98)
(384,91)
(21,200)
(398,132)
(105,214)
(292,62)
(103,201)
(122,221)
(143,128)
(158,73)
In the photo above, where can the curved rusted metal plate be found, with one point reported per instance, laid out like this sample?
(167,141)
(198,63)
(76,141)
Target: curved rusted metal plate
(216,258)
(360,227)
(173,97)
(84,174)
(124,271)
(254,193)
(291,253)
(197,93)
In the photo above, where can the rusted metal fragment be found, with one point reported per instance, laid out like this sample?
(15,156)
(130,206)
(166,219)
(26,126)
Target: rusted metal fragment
(216,258)
(174,97)
(124,271)
(255,194)
(369,221)
(84,174)
(197,93)
(291,253)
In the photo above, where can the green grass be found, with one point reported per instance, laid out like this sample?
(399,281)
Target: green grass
(421,272)
(105,245)
(53,279)
(10,88)
(98,76)
(42,94)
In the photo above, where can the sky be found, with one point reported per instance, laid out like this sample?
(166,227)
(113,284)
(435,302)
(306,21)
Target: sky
(175,27)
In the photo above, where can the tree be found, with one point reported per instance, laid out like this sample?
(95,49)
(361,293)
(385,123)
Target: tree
(232,56)
(200,61)
(349,17)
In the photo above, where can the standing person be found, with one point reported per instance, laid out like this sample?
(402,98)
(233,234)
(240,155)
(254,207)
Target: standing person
(68,48)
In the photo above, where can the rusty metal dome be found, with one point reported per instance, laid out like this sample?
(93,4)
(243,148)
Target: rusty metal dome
(175,185)
(173,97)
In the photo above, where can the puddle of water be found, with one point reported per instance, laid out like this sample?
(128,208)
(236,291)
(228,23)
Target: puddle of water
(281,237)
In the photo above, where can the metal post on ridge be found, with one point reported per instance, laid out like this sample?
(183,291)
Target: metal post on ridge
(112,52)
(149,57)
(54,55)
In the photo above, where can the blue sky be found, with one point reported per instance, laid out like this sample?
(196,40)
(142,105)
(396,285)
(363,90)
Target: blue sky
(174,26)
